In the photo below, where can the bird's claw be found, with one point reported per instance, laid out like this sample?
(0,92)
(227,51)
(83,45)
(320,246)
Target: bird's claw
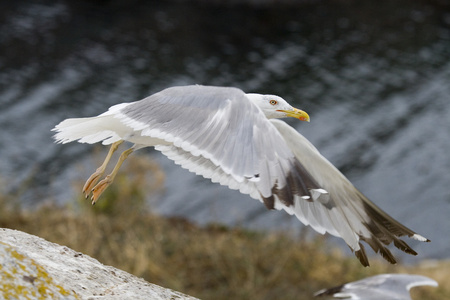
(91,182)
(100,188)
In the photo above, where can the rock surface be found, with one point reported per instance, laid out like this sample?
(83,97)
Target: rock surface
(33,268)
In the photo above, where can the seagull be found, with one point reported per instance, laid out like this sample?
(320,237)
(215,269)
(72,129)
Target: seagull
(235,139)
(379,287)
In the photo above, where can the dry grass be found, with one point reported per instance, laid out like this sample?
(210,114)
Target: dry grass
(210,263)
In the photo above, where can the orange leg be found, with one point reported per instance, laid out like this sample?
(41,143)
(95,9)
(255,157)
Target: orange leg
(92,181)
(102,185)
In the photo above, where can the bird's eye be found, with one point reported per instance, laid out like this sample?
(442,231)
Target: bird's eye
(273,102)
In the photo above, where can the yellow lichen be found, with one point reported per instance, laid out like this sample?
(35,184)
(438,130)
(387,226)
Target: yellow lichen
(26,279)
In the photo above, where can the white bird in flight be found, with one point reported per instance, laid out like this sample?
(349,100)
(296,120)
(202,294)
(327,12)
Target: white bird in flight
(234,139)
(379,287)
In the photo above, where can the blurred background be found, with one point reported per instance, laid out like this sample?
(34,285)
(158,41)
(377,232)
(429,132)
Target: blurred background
(373,75)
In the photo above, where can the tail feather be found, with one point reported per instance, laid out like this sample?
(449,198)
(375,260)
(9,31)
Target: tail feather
(104,128)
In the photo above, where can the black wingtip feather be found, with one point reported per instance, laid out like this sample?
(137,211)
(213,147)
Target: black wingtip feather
(329,292)
(402,245)
(362,256)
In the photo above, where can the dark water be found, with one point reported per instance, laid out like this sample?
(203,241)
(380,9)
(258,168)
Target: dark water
(374,76)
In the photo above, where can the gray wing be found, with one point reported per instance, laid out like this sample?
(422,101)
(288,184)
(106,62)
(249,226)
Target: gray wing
(220,134)
(346,213)
(380,287)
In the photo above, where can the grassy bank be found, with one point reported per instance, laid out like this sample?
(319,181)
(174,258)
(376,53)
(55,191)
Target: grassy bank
(211,262)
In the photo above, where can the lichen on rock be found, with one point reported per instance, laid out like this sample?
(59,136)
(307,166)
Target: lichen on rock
(33,268)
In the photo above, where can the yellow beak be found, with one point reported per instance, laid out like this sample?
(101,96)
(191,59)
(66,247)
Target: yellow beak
(297,113)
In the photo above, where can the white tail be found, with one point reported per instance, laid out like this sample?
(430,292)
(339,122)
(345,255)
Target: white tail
(104,128)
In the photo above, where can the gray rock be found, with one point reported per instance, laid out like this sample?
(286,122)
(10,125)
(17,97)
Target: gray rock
(32,267)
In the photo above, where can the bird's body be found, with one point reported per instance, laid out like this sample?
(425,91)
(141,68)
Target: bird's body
(379,287)
(232,138)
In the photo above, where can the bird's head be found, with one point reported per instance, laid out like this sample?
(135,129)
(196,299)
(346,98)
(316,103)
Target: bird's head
(276,107)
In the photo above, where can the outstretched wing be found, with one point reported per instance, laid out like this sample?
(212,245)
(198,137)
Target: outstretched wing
(219,133)
(346,212)
(384,286)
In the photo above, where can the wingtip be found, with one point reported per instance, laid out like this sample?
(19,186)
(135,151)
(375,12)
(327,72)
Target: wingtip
(420,238)
(329,291)
(362,256)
